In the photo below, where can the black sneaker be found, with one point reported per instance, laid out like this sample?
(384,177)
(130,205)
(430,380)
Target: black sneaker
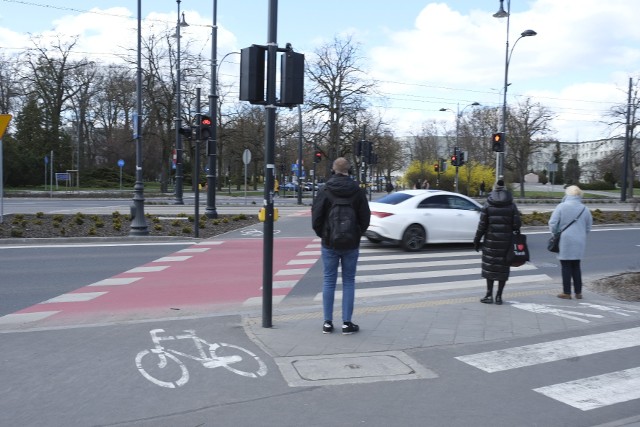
(327,328)
(349,328)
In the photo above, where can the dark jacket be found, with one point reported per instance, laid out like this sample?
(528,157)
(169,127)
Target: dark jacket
(344,187)
(498,220)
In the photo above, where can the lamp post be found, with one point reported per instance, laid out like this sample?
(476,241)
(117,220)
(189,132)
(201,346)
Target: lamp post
(501,13)
(212,143)
(458,114)
(138,221)
(179,149)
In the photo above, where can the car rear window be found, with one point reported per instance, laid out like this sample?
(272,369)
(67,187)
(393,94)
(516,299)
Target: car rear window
(394,198)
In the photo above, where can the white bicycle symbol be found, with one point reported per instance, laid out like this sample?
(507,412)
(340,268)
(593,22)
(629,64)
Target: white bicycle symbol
(159,370)
(255,232)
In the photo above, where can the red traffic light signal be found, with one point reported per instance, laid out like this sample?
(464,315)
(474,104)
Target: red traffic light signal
(454,160)
(436,168)
(318,157)
(498,142)
(203,127)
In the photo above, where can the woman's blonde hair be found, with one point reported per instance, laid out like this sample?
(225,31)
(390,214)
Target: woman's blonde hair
(573,190)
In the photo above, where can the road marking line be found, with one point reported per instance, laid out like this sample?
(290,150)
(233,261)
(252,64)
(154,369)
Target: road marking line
(14,318)
(529,355)
(550,309)
(283,284)
(302,261)
(310,253)
(403,256)
(597,391)
(173,258)
(432,287)
(151,269)
(193,250)
(314,246)
(74,297)
(210,242)
(114,281)
(292,272)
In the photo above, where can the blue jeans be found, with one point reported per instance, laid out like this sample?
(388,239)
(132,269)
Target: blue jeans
(348,259)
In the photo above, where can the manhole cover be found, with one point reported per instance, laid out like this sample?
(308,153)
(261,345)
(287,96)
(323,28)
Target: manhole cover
(350,368)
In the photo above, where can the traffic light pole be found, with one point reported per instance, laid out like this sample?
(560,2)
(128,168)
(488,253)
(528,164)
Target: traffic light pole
(212,143)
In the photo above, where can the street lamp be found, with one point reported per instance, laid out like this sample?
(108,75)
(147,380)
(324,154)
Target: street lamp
(501,13)
(458,114)
(138,221)
(179,149)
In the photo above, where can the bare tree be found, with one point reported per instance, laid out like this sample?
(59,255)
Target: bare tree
(625,123)
(528,125)
(338,91)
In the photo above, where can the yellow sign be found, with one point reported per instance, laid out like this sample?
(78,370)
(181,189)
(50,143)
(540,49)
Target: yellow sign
(4,122)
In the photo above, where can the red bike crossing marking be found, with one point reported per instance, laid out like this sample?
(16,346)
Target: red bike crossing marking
(207,274)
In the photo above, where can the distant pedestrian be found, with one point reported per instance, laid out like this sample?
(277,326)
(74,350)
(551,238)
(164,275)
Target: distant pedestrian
(340,186)
(482,188)
(499,219)
(417,185)
(573,240)
(389,187)
(425,185)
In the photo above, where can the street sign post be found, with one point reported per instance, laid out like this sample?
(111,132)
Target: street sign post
(246,159)
(4,122)
(120,165)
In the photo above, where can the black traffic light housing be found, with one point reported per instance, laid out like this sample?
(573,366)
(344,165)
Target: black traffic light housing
(186,132)
(203,127)
(317,157)
(498,142)
(436,168)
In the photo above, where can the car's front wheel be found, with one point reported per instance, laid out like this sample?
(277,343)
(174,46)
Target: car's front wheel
(413,238)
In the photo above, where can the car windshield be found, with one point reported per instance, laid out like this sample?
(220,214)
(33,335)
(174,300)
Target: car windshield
(394,198)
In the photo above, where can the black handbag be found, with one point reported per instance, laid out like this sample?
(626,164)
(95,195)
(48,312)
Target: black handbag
(518,250)
(553,245)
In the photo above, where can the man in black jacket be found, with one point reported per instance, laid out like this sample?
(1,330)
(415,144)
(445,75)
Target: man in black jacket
(341,186)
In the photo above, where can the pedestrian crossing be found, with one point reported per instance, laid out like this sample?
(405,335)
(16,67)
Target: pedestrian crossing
(585,394)
(391,271)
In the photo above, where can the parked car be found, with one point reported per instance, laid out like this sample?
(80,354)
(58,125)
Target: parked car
(290,186)
(413,218)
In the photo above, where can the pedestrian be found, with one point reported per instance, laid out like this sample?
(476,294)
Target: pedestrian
(499,219)
(340,185)
(425,185)
(389,187)
(276,187)
(573,240)
(482,188)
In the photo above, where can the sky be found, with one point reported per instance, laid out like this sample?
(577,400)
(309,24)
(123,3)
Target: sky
(425,55)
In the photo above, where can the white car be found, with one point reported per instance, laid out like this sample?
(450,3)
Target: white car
(413,218)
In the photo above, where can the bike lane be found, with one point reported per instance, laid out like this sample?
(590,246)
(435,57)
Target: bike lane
(210,276)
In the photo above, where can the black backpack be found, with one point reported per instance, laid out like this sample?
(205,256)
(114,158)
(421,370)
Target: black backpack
(342,228)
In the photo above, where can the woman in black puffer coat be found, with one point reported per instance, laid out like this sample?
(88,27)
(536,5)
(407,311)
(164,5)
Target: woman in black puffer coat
(498,221)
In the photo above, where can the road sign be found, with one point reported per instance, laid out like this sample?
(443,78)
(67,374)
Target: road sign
(4,122)
(121,163)
(246,156)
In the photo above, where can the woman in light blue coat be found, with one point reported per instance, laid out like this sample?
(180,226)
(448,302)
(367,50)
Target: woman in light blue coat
(574,238)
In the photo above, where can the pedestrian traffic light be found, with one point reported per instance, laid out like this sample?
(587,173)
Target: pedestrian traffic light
(454,160)
(498,142)
(203,127)
(186,132)
(318,157)
(436,168)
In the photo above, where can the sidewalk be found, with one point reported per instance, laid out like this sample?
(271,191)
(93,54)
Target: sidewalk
(422,321)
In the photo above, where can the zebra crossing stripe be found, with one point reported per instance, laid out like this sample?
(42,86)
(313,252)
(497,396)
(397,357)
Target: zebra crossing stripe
(529,355)
(598,391)
(362,292)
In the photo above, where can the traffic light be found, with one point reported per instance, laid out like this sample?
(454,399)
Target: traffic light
(436,168)
(203,127)
(443,165)
(186,132)
(498,142)
(462,158)
(317,157)
(454,160)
